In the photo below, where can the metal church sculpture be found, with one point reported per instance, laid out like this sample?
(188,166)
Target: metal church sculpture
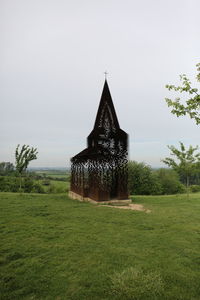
(99,172)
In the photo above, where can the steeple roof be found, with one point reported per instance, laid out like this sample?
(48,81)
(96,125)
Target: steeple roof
(107,137)
(106,110)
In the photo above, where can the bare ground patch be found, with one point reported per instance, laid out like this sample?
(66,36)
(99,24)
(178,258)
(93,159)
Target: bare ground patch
(131,206)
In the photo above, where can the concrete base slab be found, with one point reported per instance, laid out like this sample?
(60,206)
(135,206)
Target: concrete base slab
(86,199)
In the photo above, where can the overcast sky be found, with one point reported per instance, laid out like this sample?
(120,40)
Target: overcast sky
(53,55)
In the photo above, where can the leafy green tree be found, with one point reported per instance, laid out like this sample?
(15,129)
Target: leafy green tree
(170,182)
(191,106)
(22,159)
(141,180)
(186,162)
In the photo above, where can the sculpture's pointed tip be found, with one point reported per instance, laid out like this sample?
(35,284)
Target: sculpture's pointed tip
(105,73)
(106,90)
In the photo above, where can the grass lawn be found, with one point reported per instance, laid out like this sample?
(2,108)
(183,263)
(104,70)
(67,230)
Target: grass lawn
(56,248)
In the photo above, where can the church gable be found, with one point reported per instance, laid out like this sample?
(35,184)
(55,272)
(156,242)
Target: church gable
(99,172)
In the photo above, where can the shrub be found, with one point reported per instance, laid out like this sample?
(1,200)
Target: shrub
(195,188)
(136,284)
(169,181)
(38,188)
(27,184)
(145,181)
(46,182)
(3,184)
(7,168)
(155,185)
(9,184)
(55,189)
(142,181)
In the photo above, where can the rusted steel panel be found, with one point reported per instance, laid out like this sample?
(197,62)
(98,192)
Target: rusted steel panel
(100,171)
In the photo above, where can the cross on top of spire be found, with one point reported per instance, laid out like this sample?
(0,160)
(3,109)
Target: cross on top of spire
(105,73)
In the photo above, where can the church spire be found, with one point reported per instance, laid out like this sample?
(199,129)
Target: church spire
(106,111)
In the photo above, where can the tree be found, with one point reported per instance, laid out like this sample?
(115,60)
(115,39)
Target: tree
(22,159)
(186,163)
(141,180)
(192,104)
(6,168)
(170,181)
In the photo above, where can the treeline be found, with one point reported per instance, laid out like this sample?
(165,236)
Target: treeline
(12,184)
(143,180)
(29,182)
(7,168)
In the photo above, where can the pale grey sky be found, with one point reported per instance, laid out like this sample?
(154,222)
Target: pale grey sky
(53,54)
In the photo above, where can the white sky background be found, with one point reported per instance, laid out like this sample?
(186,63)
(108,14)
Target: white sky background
(53,54)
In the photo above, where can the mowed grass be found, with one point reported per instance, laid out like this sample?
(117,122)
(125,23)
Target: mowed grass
(53,247)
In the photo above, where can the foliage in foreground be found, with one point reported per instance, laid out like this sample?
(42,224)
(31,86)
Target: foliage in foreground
(186,162)
(192,105)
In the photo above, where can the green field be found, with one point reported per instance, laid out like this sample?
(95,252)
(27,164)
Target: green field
(56,248)
(60,186)
(59,176)
(53,174)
